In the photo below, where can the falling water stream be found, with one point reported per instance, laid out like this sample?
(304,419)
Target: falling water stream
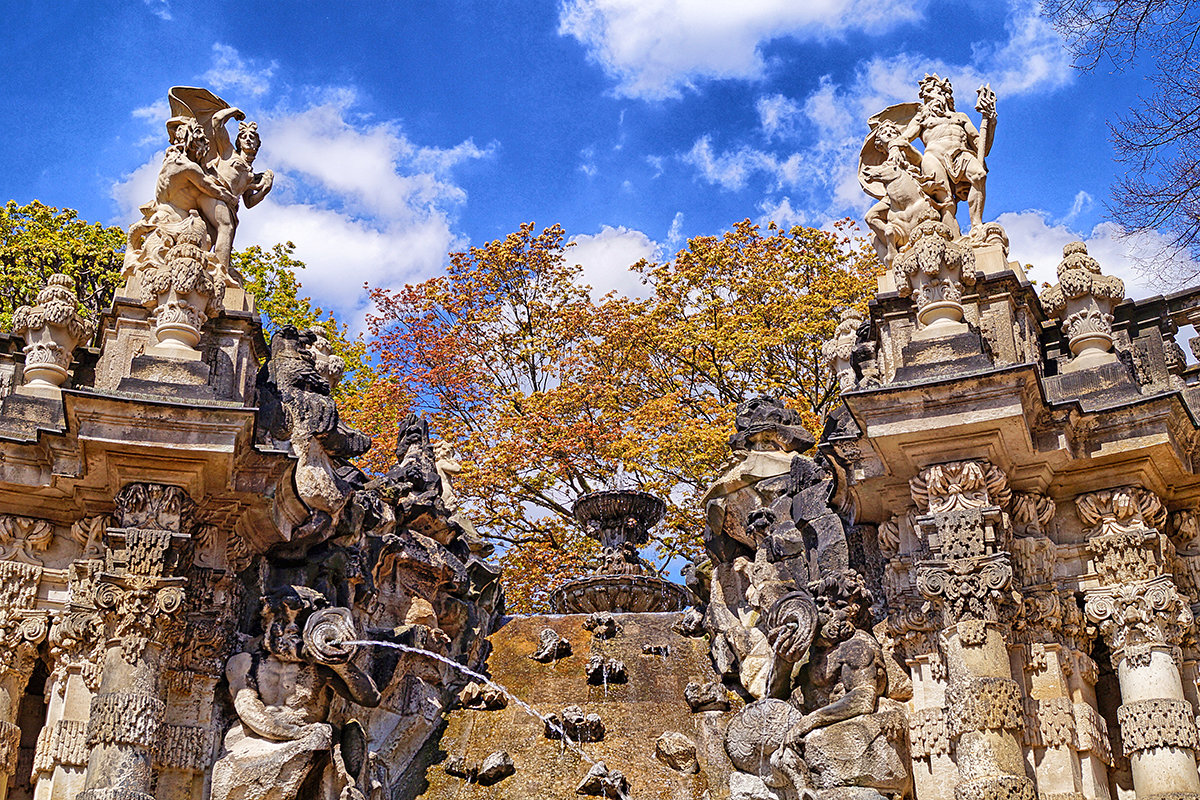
(567,741)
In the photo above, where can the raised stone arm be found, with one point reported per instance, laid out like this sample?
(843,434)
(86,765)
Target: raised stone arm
(263,181)
(860,664)
(354,685)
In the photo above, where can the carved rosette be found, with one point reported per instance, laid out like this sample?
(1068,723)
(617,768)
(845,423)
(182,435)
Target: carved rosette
(1151,612)
(1083,301)
(185,291)
(837,351)
(52,330)
(933,269)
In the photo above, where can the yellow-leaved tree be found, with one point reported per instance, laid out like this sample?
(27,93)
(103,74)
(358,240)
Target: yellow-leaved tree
(548,392)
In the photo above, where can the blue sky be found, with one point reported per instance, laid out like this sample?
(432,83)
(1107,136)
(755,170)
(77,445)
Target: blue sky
(401,130)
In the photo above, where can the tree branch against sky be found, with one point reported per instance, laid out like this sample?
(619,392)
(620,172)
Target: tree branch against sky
(1159,138)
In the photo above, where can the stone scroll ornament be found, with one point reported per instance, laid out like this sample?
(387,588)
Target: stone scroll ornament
(915,187)
(181,248)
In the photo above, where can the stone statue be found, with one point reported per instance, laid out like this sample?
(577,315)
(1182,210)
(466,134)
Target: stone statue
(283,692)
(950,169)
(197,179)
(823,725)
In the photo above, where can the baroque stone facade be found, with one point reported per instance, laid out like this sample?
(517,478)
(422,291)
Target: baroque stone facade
(980,582)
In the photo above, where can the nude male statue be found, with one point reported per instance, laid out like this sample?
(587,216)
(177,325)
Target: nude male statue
(283,746)
(233,165)
(954,148)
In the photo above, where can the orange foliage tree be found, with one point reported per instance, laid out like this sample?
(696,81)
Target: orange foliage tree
(548,393)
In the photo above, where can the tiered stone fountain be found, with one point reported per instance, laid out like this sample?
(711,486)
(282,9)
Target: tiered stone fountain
(620,519)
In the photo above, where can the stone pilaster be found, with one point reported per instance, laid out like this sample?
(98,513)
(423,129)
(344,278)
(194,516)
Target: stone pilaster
(137,594)
(1143,617)
(21,629)
(967,579)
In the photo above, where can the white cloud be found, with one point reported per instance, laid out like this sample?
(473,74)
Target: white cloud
(160,9)
(1036,240)
(606,257)
(781,213)
(231,71)
(587,164)
(675,232)
(657,48)
(1082,203)
(732,168)
(829,124)
(777,115)
(361,201)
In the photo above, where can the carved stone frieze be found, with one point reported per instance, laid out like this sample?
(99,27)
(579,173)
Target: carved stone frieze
(960,485)
(1157,723)
(121,718)
(62,744)
(23,538)
(1147,612)
(928,734)
(996,787)
(1055,718)
(1091,733)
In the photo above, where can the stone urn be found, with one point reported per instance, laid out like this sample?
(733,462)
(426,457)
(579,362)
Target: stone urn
(932,269)
(52,330)
(181,293)
(620,519)
(1083,301)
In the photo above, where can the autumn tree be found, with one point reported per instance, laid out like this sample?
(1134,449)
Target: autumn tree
(548,393)
(37,241)
(1159,139)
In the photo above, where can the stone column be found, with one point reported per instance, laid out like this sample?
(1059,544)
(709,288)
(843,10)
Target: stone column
(137,592)
(1143,618)
(965,530)
(21,629)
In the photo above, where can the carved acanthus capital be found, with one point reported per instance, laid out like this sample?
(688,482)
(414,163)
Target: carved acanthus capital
(967,588)
(22,626)
(154,505)
(52,330)
(933,269)
(964,532)
(1151,612)
(77,641)
(1120,509)
(23,538)
(1032,513)
(1083,301)
(959,485)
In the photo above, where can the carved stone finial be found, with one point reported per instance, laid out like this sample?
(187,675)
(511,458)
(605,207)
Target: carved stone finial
(52,330)
(181,294)
(330,367)
(933,269)
(1083,301)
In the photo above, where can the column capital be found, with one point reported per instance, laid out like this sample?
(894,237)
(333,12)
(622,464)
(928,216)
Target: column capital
(1149,612)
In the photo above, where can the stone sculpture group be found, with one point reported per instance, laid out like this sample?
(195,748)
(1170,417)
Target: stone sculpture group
(978,583)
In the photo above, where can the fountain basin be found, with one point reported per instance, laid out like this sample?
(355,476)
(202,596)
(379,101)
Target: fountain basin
(619,594)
